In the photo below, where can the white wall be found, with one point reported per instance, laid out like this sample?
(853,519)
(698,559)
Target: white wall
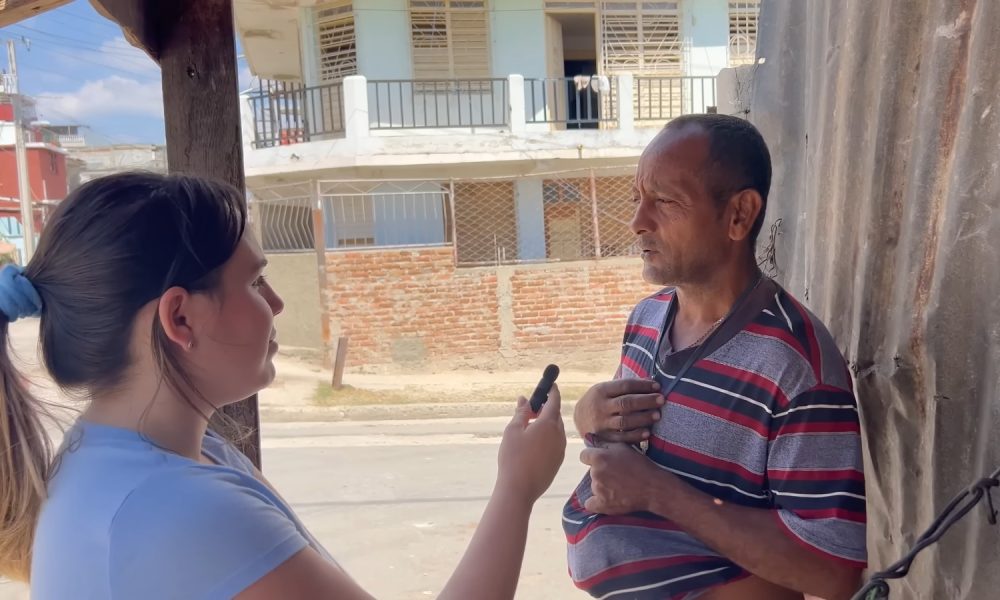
(705,26)
(383,33)
(530,218)
(517,37)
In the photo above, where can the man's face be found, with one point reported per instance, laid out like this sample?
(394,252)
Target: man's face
(683,232)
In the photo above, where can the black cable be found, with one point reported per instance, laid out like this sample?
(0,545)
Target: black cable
(877,587)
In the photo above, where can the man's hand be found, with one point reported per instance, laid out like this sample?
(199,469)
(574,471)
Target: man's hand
(622,410)
(620,476)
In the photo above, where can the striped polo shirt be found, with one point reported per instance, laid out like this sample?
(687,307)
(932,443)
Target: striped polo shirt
(765,419)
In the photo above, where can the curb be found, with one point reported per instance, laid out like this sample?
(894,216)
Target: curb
(394,412)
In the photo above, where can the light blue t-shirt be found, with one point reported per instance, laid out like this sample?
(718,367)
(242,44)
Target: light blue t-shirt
(127,520)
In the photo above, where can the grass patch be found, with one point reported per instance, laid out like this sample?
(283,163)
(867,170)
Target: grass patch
(325,395)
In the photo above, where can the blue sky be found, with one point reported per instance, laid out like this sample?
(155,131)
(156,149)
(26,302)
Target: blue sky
(81,70)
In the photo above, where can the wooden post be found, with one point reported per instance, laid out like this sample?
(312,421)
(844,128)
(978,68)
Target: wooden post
(197,55)
(340,363)
(319,243)
(453,224)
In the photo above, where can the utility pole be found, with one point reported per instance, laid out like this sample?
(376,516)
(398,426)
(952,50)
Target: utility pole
(23,183)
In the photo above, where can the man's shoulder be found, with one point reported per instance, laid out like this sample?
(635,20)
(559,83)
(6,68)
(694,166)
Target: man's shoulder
(654,303)
(811,337)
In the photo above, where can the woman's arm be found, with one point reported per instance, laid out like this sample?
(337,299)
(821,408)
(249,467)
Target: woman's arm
(530,456)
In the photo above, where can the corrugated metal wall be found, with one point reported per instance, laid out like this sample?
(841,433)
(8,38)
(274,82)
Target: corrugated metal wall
(884,121)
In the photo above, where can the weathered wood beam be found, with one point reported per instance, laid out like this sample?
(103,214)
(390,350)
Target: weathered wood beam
(197,56)
(145,23)
(13,11)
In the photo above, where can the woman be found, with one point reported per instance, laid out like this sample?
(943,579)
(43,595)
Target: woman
(154,305)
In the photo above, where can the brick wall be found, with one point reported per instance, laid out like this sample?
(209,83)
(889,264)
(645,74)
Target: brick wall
(413,307)
(574,307)
(410,306)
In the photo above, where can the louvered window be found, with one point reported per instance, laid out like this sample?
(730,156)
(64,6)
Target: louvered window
(338,54)
(450,39)
(570,5)
(743,32)
(641,37)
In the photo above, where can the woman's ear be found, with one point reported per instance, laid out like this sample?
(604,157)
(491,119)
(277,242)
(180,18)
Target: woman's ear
(173,309)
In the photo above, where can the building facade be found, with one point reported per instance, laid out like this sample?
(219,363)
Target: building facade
(46,167)
(496,134)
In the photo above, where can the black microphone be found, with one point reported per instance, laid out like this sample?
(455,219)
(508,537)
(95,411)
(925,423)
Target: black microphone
(541,393)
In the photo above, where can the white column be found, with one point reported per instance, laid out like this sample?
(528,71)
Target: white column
(626,105)
(247,123)
(515,116)
(356,123)
(530,219)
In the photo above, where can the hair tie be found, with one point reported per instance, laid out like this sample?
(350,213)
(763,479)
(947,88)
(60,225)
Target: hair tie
(18,297)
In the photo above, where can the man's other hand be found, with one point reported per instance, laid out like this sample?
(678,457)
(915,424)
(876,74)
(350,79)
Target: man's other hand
(622,410)
(620,479)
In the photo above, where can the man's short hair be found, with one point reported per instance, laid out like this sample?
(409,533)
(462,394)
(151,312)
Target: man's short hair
(738,159)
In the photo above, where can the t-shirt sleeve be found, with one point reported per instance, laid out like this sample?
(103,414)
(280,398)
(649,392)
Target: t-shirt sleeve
(816,474)
(197,534)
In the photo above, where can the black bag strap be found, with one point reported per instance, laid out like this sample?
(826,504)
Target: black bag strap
(753,300)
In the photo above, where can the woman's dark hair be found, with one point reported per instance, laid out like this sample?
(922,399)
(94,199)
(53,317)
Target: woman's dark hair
(111,247)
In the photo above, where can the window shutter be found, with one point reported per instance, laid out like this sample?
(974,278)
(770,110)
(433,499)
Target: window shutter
(743,17)
(641,37)
(450,39)
(338,54)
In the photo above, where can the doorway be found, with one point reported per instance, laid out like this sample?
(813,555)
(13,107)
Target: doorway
(572,56)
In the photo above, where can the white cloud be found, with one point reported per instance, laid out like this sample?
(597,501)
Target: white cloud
(120,54)
(113,95)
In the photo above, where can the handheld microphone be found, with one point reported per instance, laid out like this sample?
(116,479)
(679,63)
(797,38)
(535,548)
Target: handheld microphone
(541,393)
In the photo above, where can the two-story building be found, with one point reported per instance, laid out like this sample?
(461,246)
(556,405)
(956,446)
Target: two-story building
(45,167)
(489,138)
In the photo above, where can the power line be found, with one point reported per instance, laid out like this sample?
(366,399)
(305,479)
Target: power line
(121,67)
(87,44)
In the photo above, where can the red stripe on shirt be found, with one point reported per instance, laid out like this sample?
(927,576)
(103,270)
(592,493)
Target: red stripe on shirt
(646,332)
(620,521)
(634,366)
(631,568)
(780,335)
(815,475)
(707,461)
(746,376)
(711,409)
(815,356)
(816,427)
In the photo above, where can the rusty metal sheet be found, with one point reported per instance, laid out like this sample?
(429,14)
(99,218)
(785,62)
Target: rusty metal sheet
(884,123)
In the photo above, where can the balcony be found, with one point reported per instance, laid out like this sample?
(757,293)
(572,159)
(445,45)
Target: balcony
(356,123)
(290,113)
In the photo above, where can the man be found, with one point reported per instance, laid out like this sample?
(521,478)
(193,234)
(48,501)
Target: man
(747,482)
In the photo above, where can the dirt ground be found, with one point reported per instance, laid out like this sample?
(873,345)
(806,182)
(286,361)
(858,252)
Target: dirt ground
(302,391)
(302,388)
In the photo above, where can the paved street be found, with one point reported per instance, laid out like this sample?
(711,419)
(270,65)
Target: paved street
(396,502)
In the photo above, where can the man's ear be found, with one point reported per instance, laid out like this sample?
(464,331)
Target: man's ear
(745,208)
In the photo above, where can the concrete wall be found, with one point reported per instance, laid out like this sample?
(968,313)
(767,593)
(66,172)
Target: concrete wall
(517,37)
(383,39)
(413,307)
(295,278)
(705,27)
(883,123)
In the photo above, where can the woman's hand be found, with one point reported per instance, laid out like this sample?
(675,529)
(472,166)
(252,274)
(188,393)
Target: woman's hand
(532,451)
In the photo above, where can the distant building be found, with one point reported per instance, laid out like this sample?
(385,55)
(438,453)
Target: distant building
(47,164)
(91,162)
